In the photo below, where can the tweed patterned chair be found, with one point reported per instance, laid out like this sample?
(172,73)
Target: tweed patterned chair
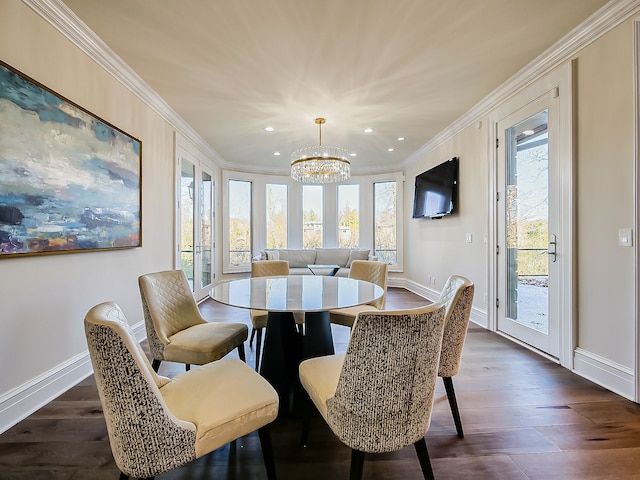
(378,396)
(156,424)
(457,297)
(267,268)
(176,330)
(370,271)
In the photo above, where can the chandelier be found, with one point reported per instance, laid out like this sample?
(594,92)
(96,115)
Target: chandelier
(320,164)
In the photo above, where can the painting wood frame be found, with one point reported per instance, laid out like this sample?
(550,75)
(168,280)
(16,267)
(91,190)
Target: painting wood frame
(69,180)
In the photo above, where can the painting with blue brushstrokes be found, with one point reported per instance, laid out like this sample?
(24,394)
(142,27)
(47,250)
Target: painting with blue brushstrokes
(69,181)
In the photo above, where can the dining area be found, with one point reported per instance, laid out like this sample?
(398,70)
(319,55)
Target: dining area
(376,395)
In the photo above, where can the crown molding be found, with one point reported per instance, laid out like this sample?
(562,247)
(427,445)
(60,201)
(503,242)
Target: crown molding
(73,28)
(602,21)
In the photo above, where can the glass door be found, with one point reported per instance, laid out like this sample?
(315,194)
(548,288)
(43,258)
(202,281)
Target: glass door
(527,228)
(196,207)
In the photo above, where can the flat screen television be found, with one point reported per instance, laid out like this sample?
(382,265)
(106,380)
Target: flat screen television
(436,191)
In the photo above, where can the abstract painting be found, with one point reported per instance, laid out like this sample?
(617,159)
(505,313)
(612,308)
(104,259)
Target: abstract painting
(69,181)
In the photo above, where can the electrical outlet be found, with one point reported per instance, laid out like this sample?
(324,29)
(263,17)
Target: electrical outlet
(469,238)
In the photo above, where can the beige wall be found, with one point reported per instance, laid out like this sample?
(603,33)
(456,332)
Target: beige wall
(605,185)
(44,299)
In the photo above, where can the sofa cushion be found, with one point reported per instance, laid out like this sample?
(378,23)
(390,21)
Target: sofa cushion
(332,256)
(357,255)
(298,258)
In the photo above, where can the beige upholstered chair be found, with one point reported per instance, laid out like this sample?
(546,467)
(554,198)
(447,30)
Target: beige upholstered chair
(371,271)
(175,329)
(156,424)
(267,268)
(457,297)
(378,397)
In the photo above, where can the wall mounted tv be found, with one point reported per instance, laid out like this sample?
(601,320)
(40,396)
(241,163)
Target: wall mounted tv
(436,191)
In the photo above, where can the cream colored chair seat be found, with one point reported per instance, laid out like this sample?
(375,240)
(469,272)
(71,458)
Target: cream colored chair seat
(378,397)
(370,271)
(156,424)
(176,330)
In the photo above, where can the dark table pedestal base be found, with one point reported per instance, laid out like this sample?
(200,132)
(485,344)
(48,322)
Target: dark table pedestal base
(285,348)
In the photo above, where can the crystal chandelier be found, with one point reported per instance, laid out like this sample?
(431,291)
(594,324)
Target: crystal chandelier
(320,164)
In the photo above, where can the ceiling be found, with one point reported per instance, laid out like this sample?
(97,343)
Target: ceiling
(405,68)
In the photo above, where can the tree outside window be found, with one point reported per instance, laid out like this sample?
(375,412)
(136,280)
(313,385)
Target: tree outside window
(385,241)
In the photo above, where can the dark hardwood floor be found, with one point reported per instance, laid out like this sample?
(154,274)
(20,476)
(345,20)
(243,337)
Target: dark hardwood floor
(524,418)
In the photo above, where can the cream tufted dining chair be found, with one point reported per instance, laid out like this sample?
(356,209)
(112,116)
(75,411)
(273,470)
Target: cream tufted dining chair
(457,297)
(156,424)
(378,396)
(370,271)
(176,330)
(267,268)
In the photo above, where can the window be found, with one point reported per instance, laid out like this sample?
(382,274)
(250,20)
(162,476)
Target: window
(385,219)
(312,216)
(348,216)
(276,215)
(239,222)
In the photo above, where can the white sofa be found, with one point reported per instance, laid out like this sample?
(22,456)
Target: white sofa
(300,259)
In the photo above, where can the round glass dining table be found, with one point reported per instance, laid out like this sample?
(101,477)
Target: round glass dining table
(284,347)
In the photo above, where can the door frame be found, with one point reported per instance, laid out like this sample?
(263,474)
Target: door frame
(557,84)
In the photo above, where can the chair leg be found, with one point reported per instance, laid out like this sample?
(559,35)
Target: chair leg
(187,367)
(306,418)
(253,334)
(451,395)
(156,364)
(122,475)
(258,348)
(267,451)
(241,353)
(423,456)
(357,462)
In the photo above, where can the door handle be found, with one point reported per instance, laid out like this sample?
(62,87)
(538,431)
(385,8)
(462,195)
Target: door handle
(552,251)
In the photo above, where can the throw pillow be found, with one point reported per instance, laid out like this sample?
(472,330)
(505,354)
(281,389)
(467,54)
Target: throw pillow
(272,254)
(357,255)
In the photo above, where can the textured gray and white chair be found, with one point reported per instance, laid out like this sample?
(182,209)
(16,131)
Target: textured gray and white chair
(267,268)
(378,397)
(370,271)
(176,330)
(457,297)
(156,424)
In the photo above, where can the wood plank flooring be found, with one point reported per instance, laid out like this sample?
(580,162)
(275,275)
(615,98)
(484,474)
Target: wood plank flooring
(524,418)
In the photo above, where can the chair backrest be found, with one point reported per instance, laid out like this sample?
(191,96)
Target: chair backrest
(457,297)
(385,392)
(169,307)
(269,268)
(374,272)
(146,438)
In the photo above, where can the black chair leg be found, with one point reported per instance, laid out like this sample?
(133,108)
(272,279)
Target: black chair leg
(122,475)
(241,353)
(253,334)
(187,366)
(267,451)
(306,418)
(357,462)
(155,365)
(258,348)
(451,395)
(423,456)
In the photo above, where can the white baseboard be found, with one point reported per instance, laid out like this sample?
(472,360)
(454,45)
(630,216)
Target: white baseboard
(478,316)
(604,372)
(19,403)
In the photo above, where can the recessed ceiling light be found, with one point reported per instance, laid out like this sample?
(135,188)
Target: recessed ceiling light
(401,139)
(368,130)
(353,154)
(389,149)
(277,154)
(269,129)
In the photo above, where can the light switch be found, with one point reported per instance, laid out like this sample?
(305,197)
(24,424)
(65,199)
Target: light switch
(625,237)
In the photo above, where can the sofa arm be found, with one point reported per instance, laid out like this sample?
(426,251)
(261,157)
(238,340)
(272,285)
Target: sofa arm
(373,258)
(257,258)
